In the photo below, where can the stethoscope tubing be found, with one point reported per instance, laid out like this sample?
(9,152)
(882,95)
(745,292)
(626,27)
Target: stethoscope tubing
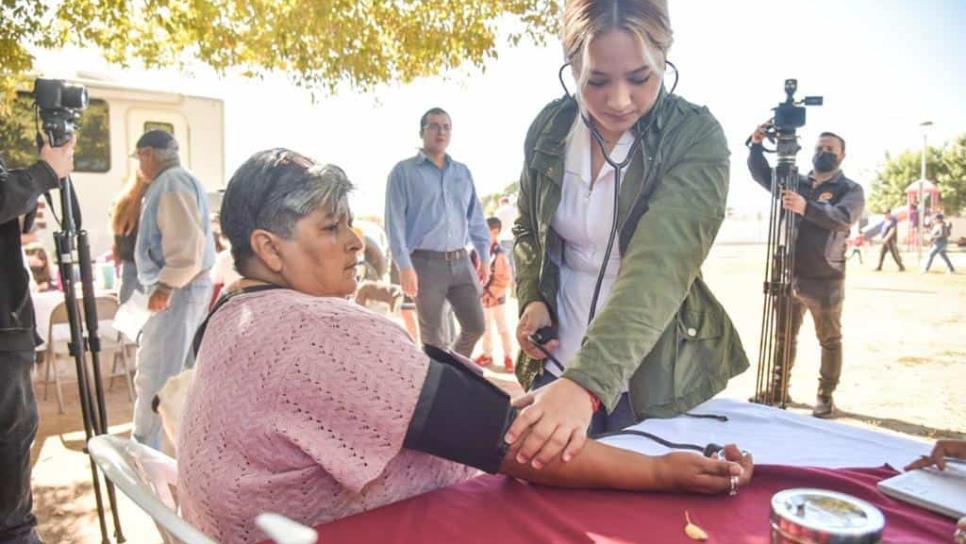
(617,166)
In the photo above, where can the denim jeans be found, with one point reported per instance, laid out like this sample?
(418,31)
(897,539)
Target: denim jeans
(939,248)
(602,422)
(18,427)
(163,351)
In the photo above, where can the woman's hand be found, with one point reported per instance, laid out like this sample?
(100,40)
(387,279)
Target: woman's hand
(942,449)
(535,316)
(683,471)
(554,419)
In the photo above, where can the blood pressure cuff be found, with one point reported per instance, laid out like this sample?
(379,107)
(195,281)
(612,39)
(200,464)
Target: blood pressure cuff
(460,415)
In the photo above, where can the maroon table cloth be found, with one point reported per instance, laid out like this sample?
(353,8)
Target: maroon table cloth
(503,510)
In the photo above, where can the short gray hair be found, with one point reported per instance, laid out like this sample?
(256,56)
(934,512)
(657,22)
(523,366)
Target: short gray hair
(168,156)
(272,191)
(326,187)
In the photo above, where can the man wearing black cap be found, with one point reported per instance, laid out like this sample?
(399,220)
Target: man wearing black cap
(174,252)
(19,190)
(827,204)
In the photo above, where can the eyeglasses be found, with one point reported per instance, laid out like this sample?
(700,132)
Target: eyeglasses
(436,127)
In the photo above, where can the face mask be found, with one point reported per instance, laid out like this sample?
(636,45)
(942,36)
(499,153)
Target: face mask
(825,162)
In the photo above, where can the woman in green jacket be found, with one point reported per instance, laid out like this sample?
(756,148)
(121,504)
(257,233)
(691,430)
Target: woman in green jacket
(658,342)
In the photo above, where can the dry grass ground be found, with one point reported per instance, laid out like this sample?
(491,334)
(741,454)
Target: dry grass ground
(905,371)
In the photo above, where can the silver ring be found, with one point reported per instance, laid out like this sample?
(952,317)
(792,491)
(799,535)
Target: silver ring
(734,487)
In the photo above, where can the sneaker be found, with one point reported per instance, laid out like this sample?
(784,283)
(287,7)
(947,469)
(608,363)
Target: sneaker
(824,407)
(483,360)
(507,363)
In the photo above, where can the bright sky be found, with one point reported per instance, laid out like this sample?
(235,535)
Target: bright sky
(883,66)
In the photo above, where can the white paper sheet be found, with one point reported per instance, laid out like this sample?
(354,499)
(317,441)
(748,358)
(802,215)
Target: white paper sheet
(776,436)
(132,315)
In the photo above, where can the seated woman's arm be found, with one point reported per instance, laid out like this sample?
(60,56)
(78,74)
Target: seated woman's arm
(601,466)
(462,417)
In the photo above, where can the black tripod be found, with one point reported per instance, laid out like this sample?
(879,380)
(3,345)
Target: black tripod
(71,237)
(774,353)
(774,348)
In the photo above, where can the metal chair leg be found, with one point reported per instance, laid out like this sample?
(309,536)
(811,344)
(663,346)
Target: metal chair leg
(60,394)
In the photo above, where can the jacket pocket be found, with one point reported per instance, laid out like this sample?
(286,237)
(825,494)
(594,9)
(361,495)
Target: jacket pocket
(682,368)
(835,248)
(699,337)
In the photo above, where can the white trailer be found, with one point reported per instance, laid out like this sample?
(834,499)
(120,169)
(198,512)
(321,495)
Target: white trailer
(124,112)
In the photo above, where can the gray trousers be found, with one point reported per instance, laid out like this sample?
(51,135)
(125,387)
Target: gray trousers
(890,248)
(455,281)
(18,427)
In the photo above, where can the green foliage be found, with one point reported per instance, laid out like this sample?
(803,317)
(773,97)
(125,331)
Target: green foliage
(952,179)
(492,201)
(321,44)
(18,128)
(946,166)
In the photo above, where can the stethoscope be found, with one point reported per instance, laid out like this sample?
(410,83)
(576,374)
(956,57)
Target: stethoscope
(617,166)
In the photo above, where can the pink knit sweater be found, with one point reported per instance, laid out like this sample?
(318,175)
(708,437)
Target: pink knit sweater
(299,406)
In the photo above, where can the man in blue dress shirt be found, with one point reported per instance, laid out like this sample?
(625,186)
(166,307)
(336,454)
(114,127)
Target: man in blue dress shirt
(432,212)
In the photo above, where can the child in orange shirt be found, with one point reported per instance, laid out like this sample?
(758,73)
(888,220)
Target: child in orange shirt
(494,299)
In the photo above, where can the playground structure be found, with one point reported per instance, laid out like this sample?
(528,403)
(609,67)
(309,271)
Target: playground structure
(922,197)
(910,212)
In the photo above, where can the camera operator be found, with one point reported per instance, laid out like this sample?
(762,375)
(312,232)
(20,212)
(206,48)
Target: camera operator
(19,190)
(828,204)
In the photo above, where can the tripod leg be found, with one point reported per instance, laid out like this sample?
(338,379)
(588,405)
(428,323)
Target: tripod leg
(64,241)
(98,403)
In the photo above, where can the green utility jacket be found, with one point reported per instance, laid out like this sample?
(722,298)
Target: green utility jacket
(661,331)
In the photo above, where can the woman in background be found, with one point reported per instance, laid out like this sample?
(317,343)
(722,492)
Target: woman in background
(124,226)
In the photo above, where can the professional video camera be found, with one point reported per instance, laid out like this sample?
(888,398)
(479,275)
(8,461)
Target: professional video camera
(59,105)
(789,116)
(774,353)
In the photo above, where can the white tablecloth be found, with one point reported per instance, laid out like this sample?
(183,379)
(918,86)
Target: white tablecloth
(776,436)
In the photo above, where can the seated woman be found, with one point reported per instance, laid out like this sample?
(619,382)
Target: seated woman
(306,404)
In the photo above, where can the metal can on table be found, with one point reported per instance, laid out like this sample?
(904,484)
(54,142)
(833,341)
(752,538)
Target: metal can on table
(818,516)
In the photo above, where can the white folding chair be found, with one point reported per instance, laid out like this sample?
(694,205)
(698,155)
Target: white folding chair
(111,345)
(149,478)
